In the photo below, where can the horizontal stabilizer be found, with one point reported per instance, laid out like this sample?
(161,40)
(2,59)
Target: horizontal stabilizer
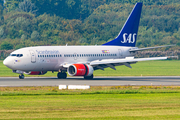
(148,48)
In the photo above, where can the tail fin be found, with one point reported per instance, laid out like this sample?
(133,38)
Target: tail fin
(128,34)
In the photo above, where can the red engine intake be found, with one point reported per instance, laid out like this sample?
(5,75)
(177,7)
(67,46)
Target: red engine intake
(36,73)
(80,70)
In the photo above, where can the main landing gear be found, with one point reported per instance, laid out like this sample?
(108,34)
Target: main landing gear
(62,75)
(88,77)
(21,76)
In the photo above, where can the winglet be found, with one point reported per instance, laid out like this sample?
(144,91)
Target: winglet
(128,34)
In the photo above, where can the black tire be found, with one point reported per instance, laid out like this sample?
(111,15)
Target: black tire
(61,75)
(64,75)
(21,76)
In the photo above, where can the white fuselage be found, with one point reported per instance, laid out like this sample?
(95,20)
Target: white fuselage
(51,58)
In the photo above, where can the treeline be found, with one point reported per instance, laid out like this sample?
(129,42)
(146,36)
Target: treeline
(83,22)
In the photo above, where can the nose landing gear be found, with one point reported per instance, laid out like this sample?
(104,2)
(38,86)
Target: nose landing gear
(62,75)
(21,76)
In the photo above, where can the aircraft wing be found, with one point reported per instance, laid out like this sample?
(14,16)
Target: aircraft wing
(141,49)
(101,64)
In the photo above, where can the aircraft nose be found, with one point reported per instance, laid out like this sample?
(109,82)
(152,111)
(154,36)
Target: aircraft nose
(7,62)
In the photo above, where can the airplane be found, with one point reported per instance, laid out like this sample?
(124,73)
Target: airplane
(82,60)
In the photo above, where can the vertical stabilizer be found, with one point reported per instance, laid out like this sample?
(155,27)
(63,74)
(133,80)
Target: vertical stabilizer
(128,34)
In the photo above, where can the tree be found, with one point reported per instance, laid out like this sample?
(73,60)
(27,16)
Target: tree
(35,36)
(1,32)
(6,46)
(27,6)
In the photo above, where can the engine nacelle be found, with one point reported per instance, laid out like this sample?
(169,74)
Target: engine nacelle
(80,70)
(36,73)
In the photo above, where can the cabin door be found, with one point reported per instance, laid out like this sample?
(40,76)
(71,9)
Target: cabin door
(120,53)
(33,56)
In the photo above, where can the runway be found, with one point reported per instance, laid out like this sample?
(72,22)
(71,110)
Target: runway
(97,81)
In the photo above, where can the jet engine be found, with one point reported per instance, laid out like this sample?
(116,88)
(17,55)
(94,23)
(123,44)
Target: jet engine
(80,70)
(36,73)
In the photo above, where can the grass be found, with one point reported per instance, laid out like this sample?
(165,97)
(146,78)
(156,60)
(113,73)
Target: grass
(110,102)
(147,68)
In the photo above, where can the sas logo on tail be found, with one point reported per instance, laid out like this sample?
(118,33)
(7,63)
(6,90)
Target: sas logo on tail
(128,38)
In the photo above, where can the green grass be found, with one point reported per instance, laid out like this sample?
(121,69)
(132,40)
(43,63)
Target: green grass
(142,103)
(148,68)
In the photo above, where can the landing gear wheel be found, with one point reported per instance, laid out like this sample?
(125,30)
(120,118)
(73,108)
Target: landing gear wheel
(62,75)
(21,76)
(88,77)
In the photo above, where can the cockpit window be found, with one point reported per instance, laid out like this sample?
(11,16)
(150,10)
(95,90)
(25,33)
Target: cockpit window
(17,55)
(13,55)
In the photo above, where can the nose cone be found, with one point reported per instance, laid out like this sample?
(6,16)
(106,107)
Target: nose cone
(5,62)
(8,62)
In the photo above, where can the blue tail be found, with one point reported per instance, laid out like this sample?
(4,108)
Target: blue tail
(128,34)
